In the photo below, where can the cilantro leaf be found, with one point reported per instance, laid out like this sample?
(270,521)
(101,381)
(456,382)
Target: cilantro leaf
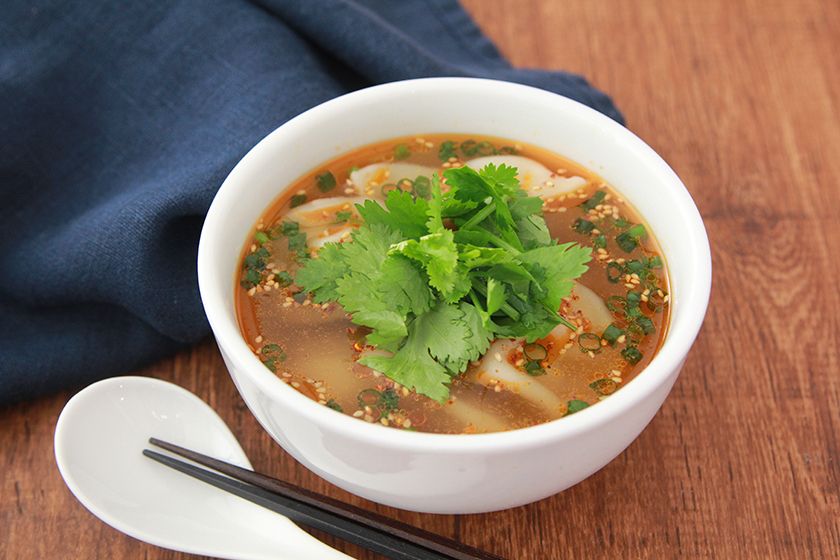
(413,366)
(319,275)
(404,286)
(439,256)
(436,298)
(563,264)
(403,213)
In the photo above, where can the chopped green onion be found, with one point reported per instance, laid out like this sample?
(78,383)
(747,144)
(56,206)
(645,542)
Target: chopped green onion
(401,151)
(600,241)
(326,181)
(468,148)
(297,200)
(611,334)
(593,201)
(635,266)
(422,187)
(485,148)
(583,227)
(631,309)
(615,272)
(283,278)
(446,151)
(369,397)
(575,406)
(616,304)
(625,242)
(534,369)
(635,332)
(534,351)
(269,363)
(604,386)
(260,237)
(274,351)
(622,223)
(646,324)
(632,355)
(334,405)
(605,224)
(652,262)
(284,228)
(297,241)
(638,231)
(589,342)
(386,400)
(251,279)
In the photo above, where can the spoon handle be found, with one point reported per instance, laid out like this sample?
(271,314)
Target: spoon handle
(369,530)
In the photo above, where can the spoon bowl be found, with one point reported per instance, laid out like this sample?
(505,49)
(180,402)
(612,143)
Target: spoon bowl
(99,439)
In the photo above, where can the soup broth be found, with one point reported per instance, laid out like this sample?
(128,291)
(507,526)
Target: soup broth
(618,308)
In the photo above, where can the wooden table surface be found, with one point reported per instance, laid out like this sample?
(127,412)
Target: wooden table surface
(742,99)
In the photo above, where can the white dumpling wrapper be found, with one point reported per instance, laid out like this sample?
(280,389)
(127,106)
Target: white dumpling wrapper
(534,178)
(377,174)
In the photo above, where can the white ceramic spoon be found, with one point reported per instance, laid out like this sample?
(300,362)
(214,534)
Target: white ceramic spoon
(99,439)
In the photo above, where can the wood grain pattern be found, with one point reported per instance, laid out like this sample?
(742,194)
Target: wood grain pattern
(742,99)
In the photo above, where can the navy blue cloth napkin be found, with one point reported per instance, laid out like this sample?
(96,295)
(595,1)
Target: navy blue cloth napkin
(119,120)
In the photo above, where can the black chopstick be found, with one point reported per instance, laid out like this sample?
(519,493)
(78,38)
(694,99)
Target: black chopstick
(366,529)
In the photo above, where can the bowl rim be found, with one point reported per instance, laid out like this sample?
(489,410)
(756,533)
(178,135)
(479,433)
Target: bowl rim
(668,360)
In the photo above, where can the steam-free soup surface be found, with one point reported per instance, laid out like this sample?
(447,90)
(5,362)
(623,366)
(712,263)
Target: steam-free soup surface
(618,307)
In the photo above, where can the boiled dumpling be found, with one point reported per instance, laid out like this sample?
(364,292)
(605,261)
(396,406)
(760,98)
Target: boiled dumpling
(368,180)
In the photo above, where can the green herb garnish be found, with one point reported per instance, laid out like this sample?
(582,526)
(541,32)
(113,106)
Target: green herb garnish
(326,181)
(334,405)
(401,151)
(575,406)
(604,386)
(436,297)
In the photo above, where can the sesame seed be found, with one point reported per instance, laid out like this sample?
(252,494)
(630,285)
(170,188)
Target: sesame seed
(358,413)
(498,357)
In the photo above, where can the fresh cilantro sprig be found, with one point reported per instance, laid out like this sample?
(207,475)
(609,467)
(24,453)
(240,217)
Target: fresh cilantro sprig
(437,280)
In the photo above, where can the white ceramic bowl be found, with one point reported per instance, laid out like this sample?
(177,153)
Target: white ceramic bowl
(455,473)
